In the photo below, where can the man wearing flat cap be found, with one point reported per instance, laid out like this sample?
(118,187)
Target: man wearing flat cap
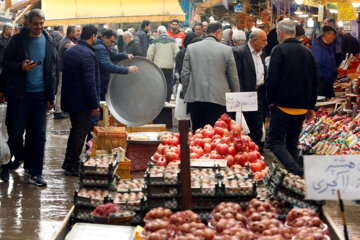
(325,60)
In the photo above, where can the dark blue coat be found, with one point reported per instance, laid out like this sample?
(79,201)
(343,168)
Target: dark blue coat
(105,58)
(81,79)
(325,60)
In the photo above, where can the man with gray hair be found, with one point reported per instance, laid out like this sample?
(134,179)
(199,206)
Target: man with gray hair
(72,35)
(250,62)
(30,61)
(291,93)
(163,51)
(132,46)
(5,38)
(239,37)
(209,71)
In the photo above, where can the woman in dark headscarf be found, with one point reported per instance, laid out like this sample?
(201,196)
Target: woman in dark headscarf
(181,54)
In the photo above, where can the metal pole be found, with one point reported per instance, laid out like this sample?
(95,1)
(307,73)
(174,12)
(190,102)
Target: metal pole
(186,196)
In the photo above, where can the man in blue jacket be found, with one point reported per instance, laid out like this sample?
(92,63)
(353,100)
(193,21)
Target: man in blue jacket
(142,36)
(80,95)
(325,60)
(30,63)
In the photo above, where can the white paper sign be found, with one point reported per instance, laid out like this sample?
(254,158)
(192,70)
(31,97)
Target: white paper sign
(241,102)
(321,13)
(324,175)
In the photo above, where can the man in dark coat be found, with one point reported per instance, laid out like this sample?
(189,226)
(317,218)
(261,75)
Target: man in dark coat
(250,62)
(30,62)
(132,47)
(5,38)
(291,93)
(325,61)
(142,36)
(349,45)
(272,40)
(80,94)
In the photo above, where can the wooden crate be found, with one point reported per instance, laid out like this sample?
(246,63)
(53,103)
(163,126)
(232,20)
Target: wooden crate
(108,138)
(147,128)
(123,170)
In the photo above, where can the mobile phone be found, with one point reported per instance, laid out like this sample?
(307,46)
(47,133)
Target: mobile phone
(38,62)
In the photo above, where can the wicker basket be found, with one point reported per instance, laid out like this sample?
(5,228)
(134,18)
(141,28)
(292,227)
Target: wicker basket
(108,138)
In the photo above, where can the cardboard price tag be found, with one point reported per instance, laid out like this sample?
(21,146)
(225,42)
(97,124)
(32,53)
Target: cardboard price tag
(241,102)
(324,175)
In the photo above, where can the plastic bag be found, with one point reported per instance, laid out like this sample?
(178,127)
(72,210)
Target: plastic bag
(4,150)
(180,106)
(90,145)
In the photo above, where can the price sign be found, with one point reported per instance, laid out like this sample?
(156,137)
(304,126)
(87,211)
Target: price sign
(324,175)
(241,102)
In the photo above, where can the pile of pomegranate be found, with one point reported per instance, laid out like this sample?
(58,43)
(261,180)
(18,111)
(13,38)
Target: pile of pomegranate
(229,222)
(225,140)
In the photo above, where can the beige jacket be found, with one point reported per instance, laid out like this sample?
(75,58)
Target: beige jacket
(163,51)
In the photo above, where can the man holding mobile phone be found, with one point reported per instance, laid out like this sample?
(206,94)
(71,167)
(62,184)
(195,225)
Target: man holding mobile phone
(30,62)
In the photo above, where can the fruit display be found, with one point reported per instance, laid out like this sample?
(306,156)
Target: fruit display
(225,140)
(158,213)
(230,222)
(331,135)
(135,185)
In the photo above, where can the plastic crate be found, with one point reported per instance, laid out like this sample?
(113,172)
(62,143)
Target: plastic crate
(201,203)
(162,191)
(140,154)
(147,128)
(123,170)
(171,203)
(88,201)
(108,138)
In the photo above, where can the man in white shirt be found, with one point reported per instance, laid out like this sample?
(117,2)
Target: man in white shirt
(250,62)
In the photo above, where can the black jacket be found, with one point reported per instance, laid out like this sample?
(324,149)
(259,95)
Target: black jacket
(81,79)
(246,67)
(134,48)
(18,51)
(349,44)
(4,42)
(272,42)
(292,76)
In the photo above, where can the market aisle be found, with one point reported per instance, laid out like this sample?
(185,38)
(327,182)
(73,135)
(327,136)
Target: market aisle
(33,213)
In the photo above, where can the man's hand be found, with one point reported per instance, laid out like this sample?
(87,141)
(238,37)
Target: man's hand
(133,69)
(271,105)
(28,65)
(2,97)
(130,57)
(69,44)
(95,112)
(310,115)
(50,105)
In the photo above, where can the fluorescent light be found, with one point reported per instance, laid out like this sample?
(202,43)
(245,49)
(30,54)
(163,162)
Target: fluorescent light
(305,15)
(333,11)
(340,24)
(299,2)
(48,28)
(211,18)
(356,4)
(105,26)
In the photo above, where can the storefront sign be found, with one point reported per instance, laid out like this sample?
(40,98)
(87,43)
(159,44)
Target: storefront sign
(347,25)
(238,8)
(324,175)
(241,102)
(321,13)
(346,11)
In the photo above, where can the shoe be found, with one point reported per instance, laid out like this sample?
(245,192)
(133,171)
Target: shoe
(38,181)
(14,165)
(60,115)
(4,175)
(72,172)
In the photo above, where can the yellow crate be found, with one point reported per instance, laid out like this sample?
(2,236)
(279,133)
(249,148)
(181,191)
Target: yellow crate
(147,128)
(123,170)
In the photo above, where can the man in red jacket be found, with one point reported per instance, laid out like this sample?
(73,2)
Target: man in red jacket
(175,33)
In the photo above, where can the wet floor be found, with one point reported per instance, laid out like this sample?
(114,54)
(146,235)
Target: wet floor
(32,213)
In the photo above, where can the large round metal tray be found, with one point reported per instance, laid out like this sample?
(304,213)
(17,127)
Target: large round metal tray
(137,99)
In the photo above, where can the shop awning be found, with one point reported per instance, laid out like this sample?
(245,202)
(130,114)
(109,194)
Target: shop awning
(66,12)
(208,4)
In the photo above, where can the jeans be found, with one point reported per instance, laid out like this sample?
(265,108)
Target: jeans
(284,132)
(168,77)
(255,120)
(80,123)
(203,113)
(28,113)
